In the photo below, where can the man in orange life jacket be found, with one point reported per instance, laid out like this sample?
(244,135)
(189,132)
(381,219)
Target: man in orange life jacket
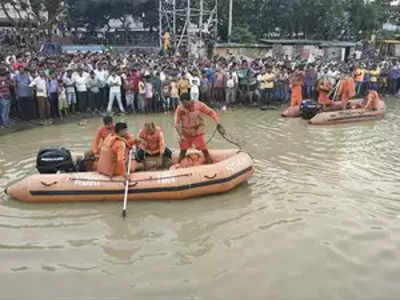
(192,128)
(152,143)
(102,133)
(347,89)
(114,152)
(324,88)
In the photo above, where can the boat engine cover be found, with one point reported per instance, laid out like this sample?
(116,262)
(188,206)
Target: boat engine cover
(54,160)
(308,109)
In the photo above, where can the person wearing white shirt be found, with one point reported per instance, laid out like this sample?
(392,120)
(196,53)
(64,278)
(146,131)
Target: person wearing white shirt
(102,75)
(195,88)
(114,82)
(40,84)
(80,83)
(230,88)
(70,90)
(332,76)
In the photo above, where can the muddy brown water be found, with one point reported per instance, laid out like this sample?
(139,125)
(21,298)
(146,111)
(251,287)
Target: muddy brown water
(320,219)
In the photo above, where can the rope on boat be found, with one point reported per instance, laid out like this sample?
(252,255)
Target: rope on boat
(134,181)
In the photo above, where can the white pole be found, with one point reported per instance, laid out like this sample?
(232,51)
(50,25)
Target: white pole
(188,27)
(174,22)
(160,22)
(127,184)
(201,17)
(230,20)
(216,19)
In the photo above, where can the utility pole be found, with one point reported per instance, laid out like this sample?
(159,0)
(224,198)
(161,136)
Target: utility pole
(216,20)
(230,21)
(160,22)
(188,26)
(174,21)
(201,18)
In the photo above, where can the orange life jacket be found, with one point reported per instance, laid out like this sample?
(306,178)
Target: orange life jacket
(324,89)
(153,141)
(192,121)
(108,158)
(347,89)
(359,75)
(101,135)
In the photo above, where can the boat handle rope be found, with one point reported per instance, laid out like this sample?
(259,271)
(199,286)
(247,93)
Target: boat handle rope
(135,182)
(210,177)
(49,184)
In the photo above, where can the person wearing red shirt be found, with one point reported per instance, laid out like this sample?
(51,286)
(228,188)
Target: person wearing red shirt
(136,78)
(5,97)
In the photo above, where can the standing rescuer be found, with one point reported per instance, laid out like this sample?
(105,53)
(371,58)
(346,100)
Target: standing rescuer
(114,152)
(192,128)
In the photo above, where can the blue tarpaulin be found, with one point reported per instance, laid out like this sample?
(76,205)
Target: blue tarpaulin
(82,48)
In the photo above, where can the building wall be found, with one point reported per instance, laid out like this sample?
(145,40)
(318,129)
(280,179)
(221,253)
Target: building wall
(243,51)
(397,50)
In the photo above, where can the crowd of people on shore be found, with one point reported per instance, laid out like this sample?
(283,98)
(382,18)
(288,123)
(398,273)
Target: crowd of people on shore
(51,88)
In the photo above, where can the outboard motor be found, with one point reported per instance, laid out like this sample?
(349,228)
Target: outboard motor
(308,109)
(54,160)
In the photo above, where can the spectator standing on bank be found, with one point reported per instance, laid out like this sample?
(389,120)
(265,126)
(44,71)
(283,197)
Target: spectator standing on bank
(24,94)
(40,83)
(81,89)
(93,85)
(103,75)
(69,85)
(52,87)
(115,83)
(5,97)
(129,92)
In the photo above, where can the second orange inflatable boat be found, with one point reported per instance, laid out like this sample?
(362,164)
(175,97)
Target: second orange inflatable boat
(349,116)
(232,167)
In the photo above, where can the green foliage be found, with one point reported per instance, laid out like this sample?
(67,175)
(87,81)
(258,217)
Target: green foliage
(313,19)
(243,35)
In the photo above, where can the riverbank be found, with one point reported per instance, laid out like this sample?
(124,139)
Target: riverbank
(17,125)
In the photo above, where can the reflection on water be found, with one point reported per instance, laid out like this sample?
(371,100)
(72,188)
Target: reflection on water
(319,220)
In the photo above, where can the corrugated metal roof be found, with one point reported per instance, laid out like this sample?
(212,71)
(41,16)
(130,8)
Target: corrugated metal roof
(309,42)
(237,45)
(391,42)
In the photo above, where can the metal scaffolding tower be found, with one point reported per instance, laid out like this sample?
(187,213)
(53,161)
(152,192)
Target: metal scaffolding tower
(191,23)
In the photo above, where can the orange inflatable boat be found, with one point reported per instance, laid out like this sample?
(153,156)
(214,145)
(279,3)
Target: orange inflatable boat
(232,168)
(348,116)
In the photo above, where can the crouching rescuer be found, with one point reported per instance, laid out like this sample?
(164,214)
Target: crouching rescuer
(115,152)
(152,144)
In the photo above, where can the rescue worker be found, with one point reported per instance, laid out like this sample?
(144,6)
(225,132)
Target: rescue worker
(152,143)
(324,88)
(372,100)
(347,89)
(373,80)
(192,128)
(359,73)
(107,129)
(296,81)
(114,153)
